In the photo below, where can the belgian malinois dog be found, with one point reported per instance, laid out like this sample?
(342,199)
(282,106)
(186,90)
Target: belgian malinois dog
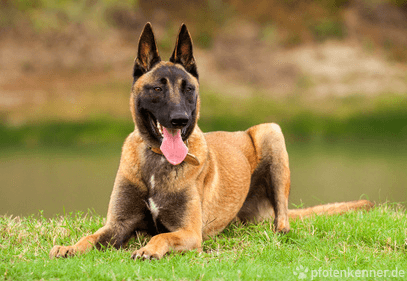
(180,185)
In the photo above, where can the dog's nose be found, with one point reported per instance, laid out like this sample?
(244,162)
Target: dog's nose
(179,120)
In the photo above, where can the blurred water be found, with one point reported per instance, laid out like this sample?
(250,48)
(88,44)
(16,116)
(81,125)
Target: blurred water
(323,173)
(59,181)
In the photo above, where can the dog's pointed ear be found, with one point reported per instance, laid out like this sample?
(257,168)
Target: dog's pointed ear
(183,52)
(147,55)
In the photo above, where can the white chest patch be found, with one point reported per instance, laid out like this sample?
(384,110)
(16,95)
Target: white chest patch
(152,182)
(154,209)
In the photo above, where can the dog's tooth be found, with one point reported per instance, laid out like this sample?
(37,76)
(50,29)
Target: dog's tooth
(160,128)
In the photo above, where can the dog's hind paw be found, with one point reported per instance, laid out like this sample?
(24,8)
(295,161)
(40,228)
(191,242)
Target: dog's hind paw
(282,226)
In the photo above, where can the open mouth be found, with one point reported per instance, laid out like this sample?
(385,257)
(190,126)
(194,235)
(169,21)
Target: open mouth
(157,130)
(172,144)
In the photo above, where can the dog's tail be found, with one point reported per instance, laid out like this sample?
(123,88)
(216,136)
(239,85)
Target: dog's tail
(330,209)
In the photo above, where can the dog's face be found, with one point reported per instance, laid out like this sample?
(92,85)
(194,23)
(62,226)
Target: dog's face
(165,97)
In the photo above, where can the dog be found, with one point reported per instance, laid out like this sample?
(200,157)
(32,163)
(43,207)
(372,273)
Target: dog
(180,185)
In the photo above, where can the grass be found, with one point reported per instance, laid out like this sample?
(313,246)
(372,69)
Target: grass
(64,133)
(355,118)
(374,240)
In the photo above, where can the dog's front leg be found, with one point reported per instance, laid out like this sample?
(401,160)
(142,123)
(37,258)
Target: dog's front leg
(125,215)
(110,234)
(159,245)
(185,238)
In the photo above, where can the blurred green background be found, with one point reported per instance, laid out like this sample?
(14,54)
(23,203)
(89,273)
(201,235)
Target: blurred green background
(332,73)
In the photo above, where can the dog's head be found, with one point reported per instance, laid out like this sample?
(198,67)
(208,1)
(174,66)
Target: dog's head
(165,101)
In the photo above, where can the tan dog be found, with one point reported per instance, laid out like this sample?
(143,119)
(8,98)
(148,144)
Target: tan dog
(181,185)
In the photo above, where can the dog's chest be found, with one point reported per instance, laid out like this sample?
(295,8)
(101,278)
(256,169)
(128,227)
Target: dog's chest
(165,202)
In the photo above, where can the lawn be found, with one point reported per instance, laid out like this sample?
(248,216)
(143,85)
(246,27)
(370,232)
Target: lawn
(364,245)
(356,118)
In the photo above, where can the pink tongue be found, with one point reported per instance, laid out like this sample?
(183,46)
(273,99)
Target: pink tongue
(173,147)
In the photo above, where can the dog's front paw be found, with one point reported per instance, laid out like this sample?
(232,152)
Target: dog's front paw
(62,251)
(146,253)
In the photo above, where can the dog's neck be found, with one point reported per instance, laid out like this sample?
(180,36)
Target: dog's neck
(190,159)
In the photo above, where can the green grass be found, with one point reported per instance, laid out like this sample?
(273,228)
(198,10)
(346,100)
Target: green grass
(353,118)
(374,240)
(65,133)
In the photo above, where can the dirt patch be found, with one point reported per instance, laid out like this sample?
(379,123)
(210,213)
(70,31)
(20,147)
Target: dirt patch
(242,59)
(345,68)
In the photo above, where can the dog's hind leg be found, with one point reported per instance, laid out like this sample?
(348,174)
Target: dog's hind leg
(270,183)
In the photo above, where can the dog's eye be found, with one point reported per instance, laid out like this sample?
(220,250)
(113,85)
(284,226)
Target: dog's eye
(189,89)
(158,89)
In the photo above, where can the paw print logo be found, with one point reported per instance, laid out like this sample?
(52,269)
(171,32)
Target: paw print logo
(301,272)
